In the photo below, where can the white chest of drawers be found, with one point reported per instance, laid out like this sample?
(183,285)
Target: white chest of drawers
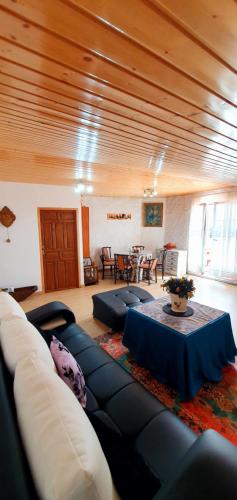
(175,262)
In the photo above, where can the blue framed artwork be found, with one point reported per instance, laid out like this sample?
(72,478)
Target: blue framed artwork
(153,214)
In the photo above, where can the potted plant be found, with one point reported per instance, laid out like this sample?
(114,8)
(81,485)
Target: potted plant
(180,290)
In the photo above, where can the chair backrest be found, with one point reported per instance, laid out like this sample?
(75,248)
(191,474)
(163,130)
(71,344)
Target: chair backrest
(121,260)
(137,248)
(160,261)
(106,252)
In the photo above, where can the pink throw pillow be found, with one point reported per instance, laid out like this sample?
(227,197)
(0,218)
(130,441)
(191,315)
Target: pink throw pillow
(68,369)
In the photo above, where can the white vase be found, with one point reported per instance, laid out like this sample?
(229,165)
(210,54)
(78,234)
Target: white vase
(178,304)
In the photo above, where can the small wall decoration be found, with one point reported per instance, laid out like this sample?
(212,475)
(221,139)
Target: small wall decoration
(7,217)
(153,214)
(119,216)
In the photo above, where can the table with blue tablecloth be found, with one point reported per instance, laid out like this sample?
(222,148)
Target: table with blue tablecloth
(183,352)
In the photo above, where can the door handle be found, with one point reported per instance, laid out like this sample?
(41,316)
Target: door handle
(43,252)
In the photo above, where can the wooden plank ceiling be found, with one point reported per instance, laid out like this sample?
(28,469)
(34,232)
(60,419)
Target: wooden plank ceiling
(125,95)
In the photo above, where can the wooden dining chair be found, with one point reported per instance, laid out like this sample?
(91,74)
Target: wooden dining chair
(148,269)
(161,262)
(122,268)
(107,261)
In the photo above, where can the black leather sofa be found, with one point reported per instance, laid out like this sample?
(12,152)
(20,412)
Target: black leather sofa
(188,467)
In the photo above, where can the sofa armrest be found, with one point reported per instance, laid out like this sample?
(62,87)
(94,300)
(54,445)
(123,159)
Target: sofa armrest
(49,312)
(208,470)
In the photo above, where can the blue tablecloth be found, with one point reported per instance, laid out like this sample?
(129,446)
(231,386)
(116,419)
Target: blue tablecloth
(182,360)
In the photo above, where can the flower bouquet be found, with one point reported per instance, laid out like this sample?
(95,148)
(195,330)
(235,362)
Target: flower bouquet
(180,290)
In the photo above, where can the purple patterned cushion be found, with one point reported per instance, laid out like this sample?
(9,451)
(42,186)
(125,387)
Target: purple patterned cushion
(68,369)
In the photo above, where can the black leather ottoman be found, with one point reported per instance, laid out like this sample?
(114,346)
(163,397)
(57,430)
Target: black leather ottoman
(111,307)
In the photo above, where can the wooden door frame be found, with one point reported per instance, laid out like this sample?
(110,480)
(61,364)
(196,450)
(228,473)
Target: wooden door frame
(39,209)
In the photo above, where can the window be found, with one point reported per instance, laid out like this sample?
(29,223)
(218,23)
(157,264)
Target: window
(212,240)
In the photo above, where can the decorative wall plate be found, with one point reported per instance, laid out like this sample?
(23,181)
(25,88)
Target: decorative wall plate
(7,217)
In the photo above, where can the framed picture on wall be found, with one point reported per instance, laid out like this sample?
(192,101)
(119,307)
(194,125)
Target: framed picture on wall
(153,214)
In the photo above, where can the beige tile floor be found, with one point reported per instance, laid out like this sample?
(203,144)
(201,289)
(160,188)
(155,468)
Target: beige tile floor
(212,293)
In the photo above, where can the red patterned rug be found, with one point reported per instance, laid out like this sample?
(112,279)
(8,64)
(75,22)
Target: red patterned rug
(215,405)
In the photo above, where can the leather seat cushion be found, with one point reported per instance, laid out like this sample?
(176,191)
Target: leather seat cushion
(77,341)
(107,421)
(132,408)
(116,379)
(91,359)
(69,331)
(163,443)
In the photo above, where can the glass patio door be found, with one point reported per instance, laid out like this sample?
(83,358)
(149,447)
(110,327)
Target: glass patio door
(212,240)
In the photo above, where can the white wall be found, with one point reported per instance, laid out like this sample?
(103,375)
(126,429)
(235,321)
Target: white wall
(178,209)
(120,234)
(20,259)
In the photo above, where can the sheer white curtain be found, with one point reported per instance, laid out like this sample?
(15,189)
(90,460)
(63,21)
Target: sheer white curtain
(196,238)
(223,232)
(213,236)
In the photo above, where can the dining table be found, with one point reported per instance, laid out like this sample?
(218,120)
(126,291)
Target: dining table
(136,258)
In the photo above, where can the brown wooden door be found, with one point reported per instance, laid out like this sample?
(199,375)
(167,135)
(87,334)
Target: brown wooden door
(59,249)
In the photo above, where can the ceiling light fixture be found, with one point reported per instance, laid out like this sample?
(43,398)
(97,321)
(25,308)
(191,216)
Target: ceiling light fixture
(149,193)
(83,188)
